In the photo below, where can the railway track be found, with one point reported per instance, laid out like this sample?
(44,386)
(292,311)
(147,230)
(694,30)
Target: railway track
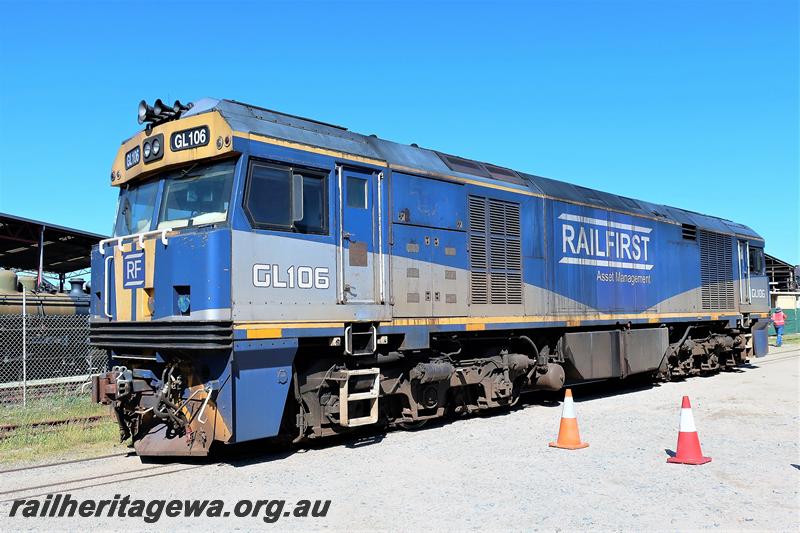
(82,483)
(6,430)
(128,473)
(72,461)
(792,354)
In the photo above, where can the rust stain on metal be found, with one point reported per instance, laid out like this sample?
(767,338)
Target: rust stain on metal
(358,254)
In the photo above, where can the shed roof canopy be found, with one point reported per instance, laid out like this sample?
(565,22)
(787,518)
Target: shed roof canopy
(65,249)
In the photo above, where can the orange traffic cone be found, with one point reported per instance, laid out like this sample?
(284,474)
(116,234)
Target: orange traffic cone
(688,450)
(568,436)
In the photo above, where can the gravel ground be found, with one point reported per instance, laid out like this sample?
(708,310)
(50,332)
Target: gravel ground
(497,473)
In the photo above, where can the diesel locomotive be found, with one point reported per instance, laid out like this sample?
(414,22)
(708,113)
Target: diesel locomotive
(273,276)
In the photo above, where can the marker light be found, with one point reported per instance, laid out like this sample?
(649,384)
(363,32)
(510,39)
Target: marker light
(146,150)
(156,147)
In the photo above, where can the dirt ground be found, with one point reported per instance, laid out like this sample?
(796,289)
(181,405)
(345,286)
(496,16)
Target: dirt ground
(497,472)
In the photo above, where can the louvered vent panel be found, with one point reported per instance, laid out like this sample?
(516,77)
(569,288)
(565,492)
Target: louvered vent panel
(514,286)
(495,251)
(497,217)
(716,263)
(512,220)
(477,256)
(479,287)
(478,251)
(477,213)
(497,288)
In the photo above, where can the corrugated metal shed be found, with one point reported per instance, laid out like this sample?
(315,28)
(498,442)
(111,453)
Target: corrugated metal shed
(65,249)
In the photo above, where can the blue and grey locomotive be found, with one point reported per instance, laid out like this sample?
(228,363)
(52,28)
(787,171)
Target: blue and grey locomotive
(276,276)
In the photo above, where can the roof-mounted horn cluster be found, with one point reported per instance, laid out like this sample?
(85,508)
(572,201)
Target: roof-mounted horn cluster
(160,112)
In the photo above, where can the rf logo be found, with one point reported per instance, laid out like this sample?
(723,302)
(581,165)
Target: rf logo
(133,270)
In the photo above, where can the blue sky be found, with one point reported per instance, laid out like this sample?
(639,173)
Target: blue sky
(688,103)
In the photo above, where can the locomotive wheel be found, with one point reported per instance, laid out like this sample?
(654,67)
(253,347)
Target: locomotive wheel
(412,426)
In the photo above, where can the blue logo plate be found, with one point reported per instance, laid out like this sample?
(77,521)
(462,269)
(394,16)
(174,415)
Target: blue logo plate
(133,270)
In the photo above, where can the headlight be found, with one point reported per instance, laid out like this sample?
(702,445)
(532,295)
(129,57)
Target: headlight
(156,146)
(146,150)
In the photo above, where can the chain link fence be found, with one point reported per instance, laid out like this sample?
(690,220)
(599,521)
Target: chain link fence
(43,356)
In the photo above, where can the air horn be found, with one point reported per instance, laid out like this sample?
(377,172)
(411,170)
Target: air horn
(146,113)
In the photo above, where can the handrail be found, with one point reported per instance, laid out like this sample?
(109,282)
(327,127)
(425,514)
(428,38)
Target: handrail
(381,275)
(105,288)
(140,236)
(209,389)
(340,247)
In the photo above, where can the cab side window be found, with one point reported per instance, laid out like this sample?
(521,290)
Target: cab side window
(756,261)
(286,198)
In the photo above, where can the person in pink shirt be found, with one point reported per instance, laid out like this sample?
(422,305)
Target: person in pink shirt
(778,320)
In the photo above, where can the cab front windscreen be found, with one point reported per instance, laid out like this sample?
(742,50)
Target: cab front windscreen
(195,195)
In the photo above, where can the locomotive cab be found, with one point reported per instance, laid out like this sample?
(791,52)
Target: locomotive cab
(227,256)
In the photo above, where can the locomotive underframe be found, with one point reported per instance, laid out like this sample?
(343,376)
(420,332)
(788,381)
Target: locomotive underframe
(167,402)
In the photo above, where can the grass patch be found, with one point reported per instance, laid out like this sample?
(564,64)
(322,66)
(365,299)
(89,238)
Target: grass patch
(56,407)
(70,441)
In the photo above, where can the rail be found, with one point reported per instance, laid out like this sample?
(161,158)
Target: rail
(381,275)
(106,262)
(140,236)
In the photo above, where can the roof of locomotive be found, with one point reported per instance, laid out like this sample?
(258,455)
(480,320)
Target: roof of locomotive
(253,119)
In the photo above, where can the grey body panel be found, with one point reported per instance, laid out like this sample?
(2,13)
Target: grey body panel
(409,280)
(271,303)
(422,289)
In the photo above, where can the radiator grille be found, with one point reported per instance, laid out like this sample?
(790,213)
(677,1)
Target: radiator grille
(495,251)
(154,335)
(716,263)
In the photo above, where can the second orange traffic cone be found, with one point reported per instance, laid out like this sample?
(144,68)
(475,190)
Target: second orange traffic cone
(568,436)
(688,451)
